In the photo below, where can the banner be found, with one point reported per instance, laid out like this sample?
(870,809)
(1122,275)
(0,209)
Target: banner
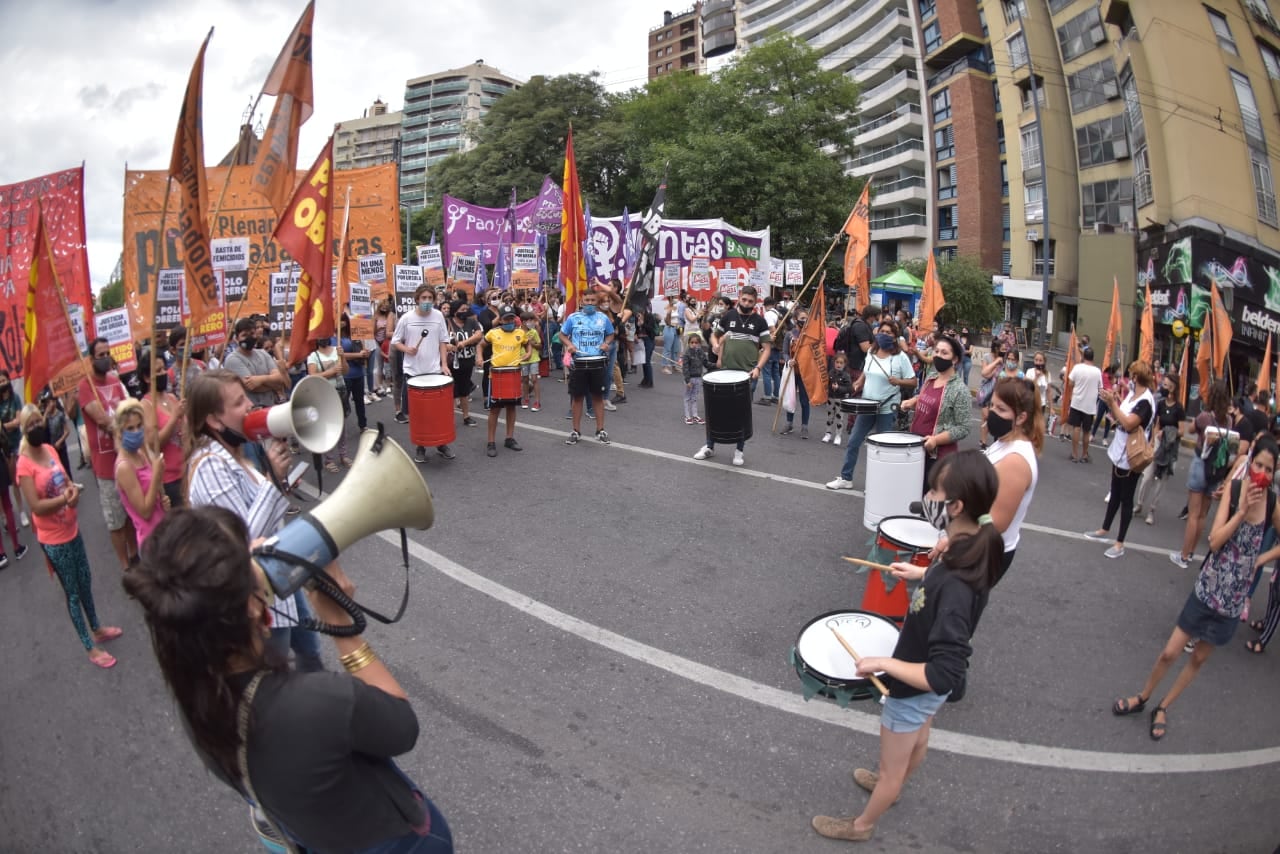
(284,291)
(671,279)
(549,205)
(113,325)
(469,228)
(60,196)
(212,331)
(245,214)
(360,310)
(776,276)
(408,280)
(794,272)
(169,299)
(732,252)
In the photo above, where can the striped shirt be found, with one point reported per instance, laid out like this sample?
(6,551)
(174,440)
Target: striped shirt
(217,479)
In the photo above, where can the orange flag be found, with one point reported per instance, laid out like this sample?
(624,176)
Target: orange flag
(858,227)
(1264,373)
(1215,339)
(932,300)
(1183,379)
(1147,337)
(186,168)
(1072,346)
(306,232)
(1114,328)
(50,354)
(290,82)
(573,231)
(811,349)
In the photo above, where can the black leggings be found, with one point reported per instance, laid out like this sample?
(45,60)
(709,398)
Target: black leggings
(1124,484)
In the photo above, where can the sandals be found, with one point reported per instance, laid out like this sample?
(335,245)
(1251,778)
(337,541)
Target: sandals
(107,633)
(1255,647)
(1124,707)
(102,658)
(1159,728)
(332,468)
(1257,625)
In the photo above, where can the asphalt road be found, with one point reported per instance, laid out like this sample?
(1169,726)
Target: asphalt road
(597,650)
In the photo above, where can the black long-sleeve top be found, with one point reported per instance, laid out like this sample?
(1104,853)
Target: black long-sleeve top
(943,616)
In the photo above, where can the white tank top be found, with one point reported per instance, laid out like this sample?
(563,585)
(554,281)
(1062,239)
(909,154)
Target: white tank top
(996,452)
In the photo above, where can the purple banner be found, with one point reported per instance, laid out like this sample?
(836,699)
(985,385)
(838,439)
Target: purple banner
(469,228)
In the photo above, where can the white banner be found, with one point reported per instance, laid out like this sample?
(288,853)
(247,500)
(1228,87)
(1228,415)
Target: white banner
(373,269)
(794,272)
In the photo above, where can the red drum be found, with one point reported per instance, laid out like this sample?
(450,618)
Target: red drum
(431,410)
(909,536)
(544,367)
(504,384)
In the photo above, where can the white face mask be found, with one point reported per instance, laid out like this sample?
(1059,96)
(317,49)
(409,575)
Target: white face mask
(935,510)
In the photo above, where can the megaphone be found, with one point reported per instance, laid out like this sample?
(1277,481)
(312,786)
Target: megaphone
(313,416)
(383,490)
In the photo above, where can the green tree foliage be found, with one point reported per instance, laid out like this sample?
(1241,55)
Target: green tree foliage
(111,295)
(967,288)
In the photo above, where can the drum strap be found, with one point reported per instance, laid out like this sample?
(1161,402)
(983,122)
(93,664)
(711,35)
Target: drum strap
(896,392)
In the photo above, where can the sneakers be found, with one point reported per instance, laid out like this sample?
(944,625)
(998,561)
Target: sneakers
(574,436)
(609,407)
(840,483)
(368,400)
(1094,535)
(1151,517)
(868,780)
(446,452)
(804,432)
(1182,517)
(841,828)
(698,419)
(1189,646)
(704,453)
(1178,560)
(602,437)
(826,438)
(469,421)
(491,449)
(535,407)
(738,458)
(836,440)
(524,405)
(1114,552)
(20,552)
(401,418)
(420,457)
(787,430)
(4,561)
(512,445)
(689,420)
(619,398)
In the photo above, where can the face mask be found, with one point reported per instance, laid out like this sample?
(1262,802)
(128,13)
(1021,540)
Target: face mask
(1013,366)
(131,439)
(935,511)
(231,438)
(248,343)
(588,309)
(6,390)
(883,341)
(508,327)
(942,365)
(1260,479)
(101,364)
(425,306)
(997,425)
(162,382)
(1039,367)
(37,436)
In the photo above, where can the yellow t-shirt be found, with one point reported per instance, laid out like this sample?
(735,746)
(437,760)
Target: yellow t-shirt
(508,347)
(535,347)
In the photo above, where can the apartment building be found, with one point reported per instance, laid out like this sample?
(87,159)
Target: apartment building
(371,140)
(676,43)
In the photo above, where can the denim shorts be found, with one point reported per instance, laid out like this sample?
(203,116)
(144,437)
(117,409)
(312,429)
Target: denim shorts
(1205,624)
(1195,476)
(910,713)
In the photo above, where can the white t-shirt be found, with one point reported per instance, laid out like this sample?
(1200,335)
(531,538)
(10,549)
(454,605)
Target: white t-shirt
(1041,379)
(996,452)
(425,333)
(1118,450)
(1086,382)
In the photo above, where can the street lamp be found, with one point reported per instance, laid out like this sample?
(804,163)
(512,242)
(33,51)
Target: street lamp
(408,215)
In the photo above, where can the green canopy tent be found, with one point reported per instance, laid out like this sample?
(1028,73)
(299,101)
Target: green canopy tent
(897,290)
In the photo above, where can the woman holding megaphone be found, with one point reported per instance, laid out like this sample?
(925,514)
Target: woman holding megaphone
(312,750)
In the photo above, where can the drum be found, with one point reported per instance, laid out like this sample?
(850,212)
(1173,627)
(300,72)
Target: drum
(544,367)
(895,472)
(727,396)
(907,535)
(431,410)
(859,406)
(825,666)
(504,384)
(587,363)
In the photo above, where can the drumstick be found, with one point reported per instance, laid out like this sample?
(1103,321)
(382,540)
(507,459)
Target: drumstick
(880,566)
(875,680)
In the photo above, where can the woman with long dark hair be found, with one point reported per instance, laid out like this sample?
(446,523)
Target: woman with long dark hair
(312,750)
(1205,476)
(943,407)
(1132,413)
(932,654)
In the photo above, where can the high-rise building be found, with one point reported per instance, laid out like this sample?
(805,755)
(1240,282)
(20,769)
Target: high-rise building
(433,122)
(676,44)
(370,140)
(873,42)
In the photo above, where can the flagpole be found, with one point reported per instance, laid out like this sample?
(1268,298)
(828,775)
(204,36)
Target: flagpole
(62,299)
(342,262)
(821,282)
(783,320)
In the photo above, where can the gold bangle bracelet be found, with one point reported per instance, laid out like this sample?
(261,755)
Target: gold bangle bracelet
(359,658)
(357,666)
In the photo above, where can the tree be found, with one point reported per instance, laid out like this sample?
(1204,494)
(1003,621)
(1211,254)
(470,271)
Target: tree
(111,295)
(967,288)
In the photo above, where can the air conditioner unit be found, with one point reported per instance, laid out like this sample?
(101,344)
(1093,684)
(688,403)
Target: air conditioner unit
(1103,228)
(1098,35)
(1111,90)
(1121,149)
(1033,235)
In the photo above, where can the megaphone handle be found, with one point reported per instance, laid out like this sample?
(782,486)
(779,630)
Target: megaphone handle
(325,583)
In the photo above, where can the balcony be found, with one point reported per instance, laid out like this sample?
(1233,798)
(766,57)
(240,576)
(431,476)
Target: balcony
(948,232)
(959,45)
(892,89)
(847,34)
(884,62)
(904,154)
(905,120)
(905,227)
(909,189)
(758,27)
(965,63)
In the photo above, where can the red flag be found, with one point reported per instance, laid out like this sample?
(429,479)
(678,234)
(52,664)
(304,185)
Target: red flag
(858,227)
(50,353)
(1115,326)
(932,300)
(573,231)
(186,168)
(290,82)
(305,231)
(811,349)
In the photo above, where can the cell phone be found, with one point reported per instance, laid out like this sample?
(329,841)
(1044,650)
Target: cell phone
(295,476)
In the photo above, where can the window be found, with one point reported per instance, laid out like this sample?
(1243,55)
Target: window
(1004,179)
(1056,6)
(1133,109)
(659,38)
(1000,135)
(1108,202)
(1102,142)
(947,182)
(995,94)
(1264,188)
(941,105)
(1037,258)
(1006,262)
(1004,222)
(932,37)
(1271,59)
(1013,9)
(944,143)
(928,8)
(1017,44)
(1250,118)
(982,19)
(947,223)
(1030,148)
(1033,202)
(669,49)
(1093,85)
(1082,33)
(1142,192)
(947,253)
(1025,92)
(1222,30)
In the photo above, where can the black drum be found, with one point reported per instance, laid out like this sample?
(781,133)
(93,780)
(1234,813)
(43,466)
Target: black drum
(728,402)
(859,406)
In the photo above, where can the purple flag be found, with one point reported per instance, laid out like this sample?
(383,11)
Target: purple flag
(482,279)
(541,242)
(501,272)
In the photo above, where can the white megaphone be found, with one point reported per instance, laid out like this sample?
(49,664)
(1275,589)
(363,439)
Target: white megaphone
(313,415)
(383,490)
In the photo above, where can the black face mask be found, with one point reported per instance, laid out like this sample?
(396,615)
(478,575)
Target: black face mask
(162,382)
(248,343)
(231,438)
(102,364)
(998,426)
(942,365)
(37,436)
(6,390)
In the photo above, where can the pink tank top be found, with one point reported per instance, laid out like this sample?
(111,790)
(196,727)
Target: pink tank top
(172,450)
(143,527)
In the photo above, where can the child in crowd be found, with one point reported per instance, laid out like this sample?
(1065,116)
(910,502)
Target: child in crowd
(694,365)
(841,386)
(529,367)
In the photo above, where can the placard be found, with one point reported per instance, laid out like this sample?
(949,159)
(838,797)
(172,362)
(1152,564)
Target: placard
(360,310)
(408,280)
(280,303)
(429,256)
(170,294)
(464,267)
(231,256)
(212,330)
(758,280)
(671,279)
(113,325)
(794,272)
(776,273)
(700,274)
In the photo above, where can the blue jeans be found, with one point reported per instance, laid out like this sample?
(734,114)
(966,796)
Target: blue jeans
(671,346)
(802,399)
(608,374)
(304,642)
(863,426)
(966,365)
(773,374)
(439,839)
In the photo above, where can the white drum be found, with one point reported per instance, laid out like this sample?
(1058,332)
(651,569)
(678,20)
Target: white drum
(895,476)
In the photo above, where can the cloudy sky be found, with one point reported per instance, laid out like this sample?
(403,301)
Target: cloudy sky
(101,81)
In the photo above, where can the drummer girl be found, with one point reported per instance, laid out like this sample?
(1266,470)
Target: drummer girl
(932,653)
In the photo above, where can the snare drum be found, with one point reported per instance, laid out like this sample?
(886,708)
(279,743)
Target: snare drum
(504,385)
(825,666)
(910,536)
(431,410)
(859,406)
(590,363)
(728,401)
